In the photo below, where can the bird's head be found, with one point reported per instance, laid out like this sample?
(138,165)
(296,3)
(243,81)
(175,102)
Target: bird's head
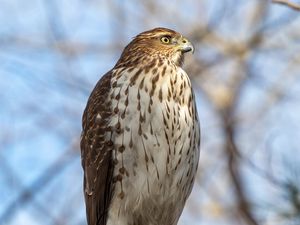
(159,42)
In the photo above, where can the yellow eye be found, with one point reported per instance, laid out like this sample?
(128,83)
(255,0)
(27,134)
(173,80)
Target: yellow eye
(165,40)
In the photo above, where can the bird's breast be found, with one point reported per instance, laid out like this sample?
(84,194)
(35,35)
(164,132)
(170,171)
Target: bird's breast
(155,135)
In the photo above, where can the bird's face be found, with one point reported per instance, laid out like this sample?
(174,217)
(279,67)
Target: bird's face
(168,41)
(162,42)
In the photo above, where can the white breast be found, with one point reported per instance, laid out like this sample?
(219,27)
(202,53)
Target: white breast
(156,146)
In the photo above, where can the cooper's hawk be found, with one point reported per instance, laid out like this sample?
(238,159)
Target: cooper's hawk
(140,138)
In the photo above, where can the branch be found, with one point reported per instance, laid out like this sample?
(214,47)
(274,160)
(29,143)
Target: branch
(233,153)
(287,3)
(28,194)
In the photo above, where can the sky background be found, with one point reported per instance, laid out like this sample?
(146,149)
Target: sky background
(245,71)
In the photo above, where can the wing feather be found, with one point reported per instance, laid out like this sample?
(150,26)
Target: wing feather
(96,153)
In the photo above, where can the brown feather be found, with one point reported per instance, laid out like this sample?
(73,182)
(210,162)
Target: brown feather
(98,172)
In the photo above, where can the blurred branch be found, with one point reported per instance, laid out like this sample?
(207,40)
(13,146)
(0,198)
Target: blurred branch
(234,170)
(237,84)
(27,194)
(70,48)
(288,3)
(10,173)
(231,149)
(54,20)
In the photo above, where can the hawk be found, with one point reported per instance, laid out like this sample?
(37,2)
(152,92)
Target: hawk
(141,136)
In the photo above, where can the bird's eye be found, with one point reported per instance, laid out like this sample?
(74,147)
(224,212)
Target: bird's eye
(165,39)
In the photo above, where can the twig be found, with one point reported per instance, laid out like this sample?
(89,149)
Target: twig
(287,3)
(28,194)
(233,152)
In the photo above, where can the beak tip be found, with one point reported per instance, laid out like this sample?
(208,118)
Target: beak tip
(189,48)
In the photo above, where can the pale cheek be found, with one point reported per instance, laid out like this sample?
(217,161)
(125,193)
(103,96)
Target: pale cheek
(177,58)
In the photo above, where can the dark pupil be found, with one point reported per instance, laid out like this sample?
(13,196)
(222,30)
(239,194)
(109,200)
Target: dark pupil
(166,39)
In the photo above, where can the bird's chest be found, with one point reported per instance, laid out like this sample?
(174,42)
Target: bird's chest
(154,135)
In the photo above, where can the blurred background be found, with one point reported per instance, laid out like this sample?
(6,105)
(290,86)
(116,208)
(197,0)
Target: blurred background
(246,75)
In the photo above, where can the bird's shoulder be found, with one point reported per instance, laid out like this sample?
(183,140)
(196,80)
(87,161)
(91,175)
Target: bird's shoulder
(97,101)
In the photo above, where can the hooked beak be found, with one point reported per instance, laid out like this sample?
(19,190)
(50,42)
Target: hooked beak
(185,45)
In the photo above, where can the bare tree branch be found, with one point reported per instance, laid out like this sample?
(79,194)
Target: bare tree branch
(288,3)
(27,194)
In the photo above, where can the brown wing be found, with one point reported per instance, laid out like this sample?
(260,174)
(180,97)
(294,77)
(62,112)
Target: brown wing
(96,153)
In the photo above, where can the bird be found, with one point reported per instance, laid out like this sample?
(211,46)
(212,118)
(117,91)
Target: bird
(140,140)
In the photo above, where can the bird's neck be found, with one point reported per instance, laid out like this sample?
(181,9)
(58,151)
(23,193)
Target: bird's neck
(156,76)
